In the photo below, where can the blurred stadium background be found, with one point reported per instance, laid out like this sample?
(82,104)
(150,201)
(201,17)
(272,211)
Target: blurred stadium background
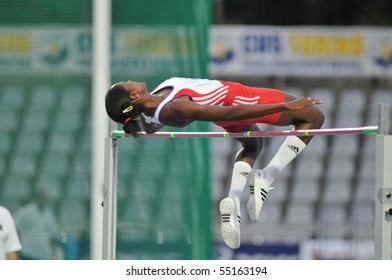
(168,190)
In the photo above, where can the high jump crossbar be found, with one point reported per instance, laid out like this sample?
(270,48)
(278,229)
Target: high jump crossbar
(265,133)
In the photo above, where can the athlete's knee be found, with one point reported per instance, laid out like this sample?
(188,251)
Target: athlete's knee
(318,118)
(313,118)
(251,148)
(254,148)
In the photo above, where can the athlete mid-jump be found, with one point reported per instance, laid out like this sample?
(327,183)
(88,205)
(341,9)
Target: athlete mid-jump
(233,106)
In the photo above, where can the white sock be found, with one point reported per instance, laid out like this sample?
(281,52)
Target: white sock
(238,180)
(291,147)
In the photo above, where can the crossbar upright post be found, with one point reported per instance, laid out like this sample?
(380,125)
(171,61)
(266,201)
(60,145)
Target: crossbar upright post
(383,202)
(110,199)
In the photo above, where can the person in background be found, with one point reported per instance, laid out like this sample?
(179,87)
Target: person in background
(37,228)
(9,240)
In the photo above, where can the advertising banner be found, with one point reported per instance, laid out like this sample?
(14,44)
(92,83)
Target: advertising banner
(337,249)
(233,50)
(300,51)
(248,251)
(151,50)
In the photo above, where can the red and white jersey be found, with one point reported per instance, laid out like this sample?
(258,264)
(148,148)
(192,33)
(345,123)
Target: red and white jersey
(211,92)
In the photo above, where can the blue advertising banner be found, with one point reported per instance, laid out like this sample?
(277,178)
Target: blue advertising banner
(247,251)
(300,51)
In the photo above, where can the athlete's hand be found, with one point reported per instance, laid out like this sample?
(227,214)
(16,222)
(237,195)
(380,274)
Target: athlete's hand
(303,102)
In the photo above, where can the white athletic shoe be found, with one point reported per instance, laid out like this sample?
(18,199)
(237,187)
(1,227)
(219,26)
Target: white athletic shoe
(230,226)
(258,193)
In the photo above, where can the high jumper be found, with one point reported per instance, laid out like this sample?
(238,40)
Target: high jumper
(235,107)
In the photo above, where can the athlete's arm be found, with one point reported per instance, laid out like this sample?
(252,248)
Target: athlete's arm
(150,128)
(185,109)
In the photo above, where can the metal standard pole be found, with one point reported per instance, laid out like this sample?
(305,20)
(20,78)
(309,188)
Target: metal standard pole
(383,203)
(100,82)
(110,200)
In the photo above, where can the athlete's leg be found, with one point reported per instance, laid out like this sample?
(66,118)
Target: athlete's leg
(260,180)
(244,161)
(230,206)
(307,118)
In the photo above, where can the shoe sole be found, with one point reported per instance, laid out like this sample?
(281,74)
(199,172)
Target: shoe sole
(253,205)
(256,199)
(230,235)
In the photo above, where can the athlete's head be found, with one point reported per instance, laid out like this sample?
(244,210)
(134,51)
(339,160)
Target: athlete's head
(121,108)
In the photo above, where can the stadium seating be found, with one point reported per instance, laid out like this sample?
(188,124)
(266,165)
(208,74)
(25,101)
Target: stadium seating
(47,144)
(326,186)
